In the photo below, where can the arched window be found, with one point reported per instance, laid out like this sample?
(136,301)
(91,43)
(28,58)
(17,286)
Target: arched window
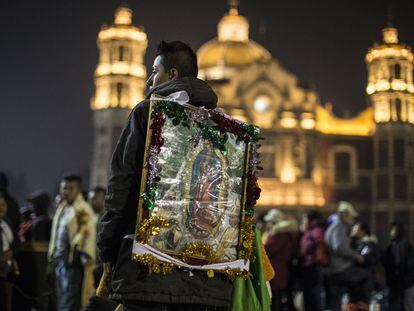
(119,88)
(397,71)
(344,166)
(398,109)
(121,53)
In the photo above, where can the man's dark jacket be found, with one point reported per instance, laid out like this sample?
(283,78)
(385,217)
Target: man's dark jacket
(131,280)
(399,265)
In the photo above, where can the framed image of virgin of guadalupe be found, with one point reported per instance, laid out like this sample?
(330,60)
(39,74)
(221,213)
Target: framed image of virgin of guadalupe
(198,188)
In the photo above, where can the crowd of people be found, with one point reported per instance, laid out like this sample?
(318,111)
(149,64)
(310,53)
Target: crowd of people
(48,258)
(336,263)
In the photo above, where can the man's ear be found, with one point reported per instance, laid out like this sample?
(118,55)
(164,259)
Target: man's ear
(173,74)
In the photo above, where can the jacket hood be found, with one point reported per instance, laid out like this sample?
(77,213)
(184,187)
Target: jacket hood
(200,93)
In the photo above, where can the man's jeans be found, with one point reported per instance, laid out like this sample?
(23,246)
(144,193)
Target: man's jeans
(68,286)
(356,281)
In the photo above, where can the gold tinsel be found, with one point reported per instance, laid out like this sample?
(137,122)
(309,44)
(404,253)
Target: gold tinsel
(232,274)
(248,237)
(200,250)
(154,265)
(157,266)
(150,227)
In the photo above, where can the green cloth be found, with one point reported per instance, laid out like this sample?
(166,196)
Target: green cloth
(252,294)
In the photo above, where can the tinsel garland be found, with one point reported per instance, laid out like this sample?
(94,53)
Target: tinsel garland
(248,237)
(163,268)
(154,265)
(150,227)
(197,249)
(217,135)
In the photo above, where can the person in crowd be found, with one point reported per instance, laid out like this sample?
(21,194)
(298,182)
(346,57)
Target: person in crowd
(13,211)
(174,70)
(8,245)
(25,226)
(72,243)
(96,198)
(34,287)
(313,256)
(367,246)
(344,270)
(40,203)
(279,246)
(399,268)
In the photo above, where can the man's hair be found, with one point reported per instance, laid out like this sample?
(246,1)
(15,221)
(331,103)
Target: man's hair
(365,227)
(69,177)
(98,189)
(178,55)
(400,227)
(314,215)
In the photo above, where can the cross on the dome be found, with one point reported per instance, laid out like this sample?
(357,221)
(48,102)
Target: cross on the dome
(234,5)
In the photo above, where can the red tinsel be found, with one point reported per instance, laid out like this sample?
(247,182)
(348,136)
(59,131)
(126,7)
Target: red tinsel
(229,124)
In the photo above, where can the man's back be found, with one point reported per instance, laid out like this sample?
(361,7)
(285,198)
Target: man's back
(131,281)
(340,252)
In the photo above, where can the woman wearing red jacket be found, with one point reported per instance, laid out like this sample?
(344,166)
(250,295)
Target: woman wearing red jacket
(280,245)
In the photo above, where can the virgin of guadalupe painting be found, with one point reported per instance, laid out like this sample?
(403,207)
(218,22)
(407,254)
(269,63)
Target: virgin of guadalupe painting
(199,193)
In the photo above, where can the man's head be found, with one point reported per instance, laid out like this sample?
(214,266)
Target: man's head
(3,205)
(39,201)
(96,198)
(360,230)
(347,212)
(70,187)
(397,231)
(174,60)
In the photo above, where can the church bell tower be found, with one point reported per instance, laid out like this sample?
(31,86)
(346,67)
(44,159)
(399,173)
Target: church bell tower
(391,93)
(119,85)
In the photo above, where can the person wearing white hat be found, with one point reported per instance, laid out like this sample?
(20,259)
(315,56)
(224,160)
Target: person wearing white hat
(343,271)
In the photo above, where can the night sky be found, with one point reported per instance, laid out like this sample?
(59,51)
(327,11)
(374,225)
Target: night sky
(48,55)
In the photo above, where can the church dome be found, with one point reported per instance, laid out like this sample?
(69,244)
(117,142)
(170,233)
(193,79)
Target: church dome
(230,53)
(232,47)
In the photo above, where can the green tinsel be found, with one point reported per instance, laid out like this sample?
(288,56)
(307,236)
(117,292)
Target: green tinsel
(219,141)
(149,197)
(249,212)
(253,132)
(178,115)
(172,111)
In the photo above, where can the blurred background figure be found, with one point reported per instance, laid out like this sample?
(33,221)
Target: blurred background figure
(25,226)
(8,245)
(40,203)
(33,288)
(399,267)
(13,213)
(72,245)
(367,246)
(343,271)
(280,243)
(313,256)
(96,198)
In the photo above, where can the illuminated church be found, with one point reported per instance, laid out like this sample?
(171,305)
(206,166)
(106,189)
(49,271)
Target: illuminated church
(311,158)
